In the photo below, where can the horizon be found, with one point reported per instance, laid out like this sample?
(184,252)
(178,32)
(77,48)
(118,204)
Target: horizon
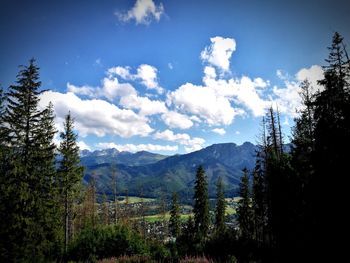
(96,150)
(165,77)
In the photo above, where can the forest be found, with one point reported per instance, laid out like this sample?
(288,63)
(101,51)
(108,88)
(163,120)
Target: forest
(291,206)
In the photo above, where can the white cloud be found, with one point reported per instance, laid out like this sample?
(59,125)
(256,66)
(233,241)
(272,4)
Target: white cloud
(219,52)
(143,12)
(313,75)
(83,90)
(220,131)
(137,147)
(123,72)
(148,76)
(170,65)
(97,117)
(194,147)
(237,132)
(245,92)
(174,119)
(111,89)
(143,104)
(204,102)
(288,98)
(191,144)
(83,146)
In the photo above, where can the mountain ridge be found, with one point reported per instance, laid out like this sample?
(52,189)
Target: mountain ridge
(150,174)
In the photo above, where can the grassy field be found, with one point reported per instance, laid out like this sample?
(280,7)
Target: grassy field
(159,217)
(135,199)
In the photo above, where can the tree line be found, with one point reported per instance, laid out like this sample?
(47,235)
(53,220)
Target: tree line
(38,191)
(294,202)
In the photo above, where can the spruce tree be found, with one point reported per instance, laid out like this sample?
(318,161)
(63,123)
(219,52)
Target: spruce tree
(174,222)
(70,174)
(332,140)
(244,210)
(201,205)
(220,208)
(29,172)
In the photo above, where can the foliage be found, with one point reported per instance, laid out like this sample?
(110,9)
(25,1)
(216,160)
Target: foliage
(201,205)
(29,211)
(106,242)
(220,208)
(175,217)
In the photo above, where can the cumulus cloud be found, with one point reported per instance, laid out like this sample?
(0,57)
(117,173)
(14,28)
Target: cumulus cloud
(146,74)
(219,52)
(313,75)
(97,117)
(143,12)
(83,146)
(174,119)
(288,98)
(110,89)
(220,131)
(191,144)
(137,147)
(204,102)
(143,104)
(128,97)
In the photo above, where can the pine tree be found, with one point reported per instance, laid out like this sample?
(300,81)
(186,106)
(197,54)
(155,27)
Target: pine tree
(70,174)
(302,151)
(332,140)
(30,171)
(174,222)
(201,205)
(220,208)
(244,210)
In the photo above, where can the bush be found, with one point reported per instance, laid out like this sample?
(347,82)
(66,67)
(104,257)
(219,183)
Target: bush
(106,242)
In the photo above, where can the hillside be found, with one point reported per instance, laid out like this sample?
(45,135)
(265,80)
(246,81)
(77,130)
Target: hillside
(149,174)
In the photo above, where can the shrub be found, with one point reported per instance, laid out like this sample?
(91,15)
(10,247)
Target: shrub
(106,242)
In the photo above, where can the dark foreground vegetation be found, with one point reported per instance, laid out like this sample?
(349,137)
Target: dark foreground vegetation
(292,209)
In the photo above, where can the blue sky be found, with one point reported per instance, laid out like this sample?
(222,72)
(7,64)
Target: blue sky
(169,76)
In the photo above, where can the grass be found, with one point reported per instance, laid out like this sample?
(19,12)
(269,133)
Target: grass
(159,217)
(136,199)
(230,210)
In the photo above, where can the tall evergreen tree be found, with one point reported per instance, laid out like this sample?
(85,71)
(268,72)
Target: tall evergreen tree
(332,140)
(70,174)
(220,208)
(201,205)
(30,171)
(174,222)
(244,210)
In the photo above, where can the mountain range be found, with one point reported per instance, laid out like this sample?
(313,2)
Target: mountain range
(148,174)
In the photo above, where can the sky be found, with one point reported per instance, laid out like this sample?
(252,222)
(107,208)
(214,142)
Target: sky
(170,76)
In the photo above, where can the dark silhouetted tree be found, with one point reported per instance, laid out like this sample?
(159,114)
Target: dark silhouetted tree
(201,205)
(174,222)
(244,210)
(220,208)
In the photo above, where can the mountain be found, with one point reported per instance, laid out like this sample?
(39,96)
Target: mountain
(150,174)
(114,156)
